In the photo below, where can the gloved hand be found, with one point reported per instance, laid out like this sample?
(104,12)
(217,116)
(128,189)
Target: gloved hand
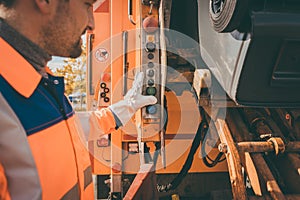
(132,101)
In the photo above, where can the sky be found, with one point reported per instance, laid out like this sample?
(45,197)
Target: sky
(56,62)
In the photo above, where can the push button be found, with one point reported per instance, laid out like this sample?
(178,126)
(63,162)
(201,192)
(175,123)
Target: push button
(151,91)
(150,64)
(150,73)
(150,56)
(152,109)
(150,47)
(150,82)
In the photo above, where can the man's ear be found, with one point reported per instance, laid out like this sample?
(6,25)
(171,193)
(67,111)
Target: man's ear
(44,5)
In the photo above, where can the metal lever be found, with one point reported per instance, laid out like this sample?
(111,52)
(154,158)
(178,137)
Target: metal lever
(151,7)
(125,62)
(130,12)
(90,66)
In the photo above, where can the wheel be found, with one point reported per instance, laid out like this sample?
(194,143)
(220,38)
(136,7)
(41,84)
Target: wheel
(226,15)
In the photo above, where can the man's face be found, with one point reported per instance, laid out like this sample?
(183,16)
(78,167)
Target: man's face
(63,33)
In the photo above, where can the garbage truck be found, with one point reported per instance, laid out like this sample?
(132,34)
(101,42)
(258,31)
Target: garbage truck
(226,74)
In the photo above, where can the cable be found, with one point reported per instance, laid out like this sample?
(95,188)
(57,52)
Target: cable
(213,162)
(147,155)
(205,157)
(188,163)
(156,153)
(201,132)
(158,144)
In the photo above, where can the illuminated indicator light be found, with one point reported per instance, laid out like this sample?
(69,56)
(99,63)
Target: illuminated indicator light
(152,109)
(150,56)
(151,90)
(150,38)
(103,85)
(150,73)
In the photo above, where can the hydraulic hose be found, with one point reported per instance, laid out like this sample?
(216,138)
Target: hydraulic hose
(188,163)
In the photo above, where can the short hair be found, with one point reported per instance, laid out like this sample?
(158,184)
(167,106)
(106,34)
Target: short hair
(7,3)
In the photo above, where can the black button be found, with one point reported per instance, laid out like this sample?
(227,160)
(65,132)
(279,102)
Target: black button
(150,73)
(150,64)
(150,56)
(106,99)
(103,94)
(150,82)
(106,90)
(150,47)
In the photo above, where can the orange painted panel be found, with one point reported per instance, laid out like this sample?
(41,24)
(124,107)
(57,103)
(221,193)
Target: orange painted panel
(53,164)
(102,7)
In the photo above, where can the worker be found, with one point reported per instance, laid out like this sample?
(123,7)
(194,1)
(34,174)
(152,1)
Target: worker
(41,152)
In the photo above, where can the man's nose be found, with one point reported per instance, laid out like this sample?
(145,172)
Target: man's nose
(91,22)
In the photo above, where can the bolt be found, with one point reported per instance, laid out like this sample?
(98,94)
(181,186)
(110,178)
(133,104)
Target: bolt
(223,147)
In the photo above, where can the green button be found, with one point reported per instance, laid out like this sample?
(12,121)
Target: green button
(151,90)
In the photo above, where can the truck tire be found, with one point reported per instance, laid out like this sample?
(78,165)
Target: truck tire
(226,15)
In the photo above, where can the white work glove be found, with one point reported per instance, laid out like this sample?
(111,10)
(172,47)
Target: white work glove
(132,101)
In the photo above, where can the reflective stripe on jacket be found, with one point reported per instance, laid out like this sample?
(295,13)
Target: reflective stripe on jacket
(55,147)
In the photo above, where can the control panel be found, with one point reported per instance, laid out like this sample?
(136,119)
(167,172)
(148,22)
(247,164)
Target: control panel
(102,90)
(150,65)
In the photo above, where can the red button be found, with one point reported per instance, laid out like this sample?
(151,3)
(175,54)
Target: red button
(150,24)
(106,77)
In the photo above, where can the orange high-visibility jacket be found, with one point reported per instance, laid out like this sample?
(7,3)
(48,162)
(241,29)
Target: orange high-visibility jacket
(42,145)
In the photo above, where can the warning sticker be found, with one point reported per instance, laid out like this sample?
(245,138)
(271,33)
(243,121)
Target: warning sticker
(101,54)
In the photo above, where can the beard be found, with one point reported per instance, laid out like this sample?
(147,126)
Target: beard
(63,47)
(76,50)
(57,43)
(60,36)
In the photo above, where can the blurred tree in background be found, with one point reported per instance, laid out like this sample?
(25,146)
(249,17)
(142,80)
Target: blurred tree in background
(74,73)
